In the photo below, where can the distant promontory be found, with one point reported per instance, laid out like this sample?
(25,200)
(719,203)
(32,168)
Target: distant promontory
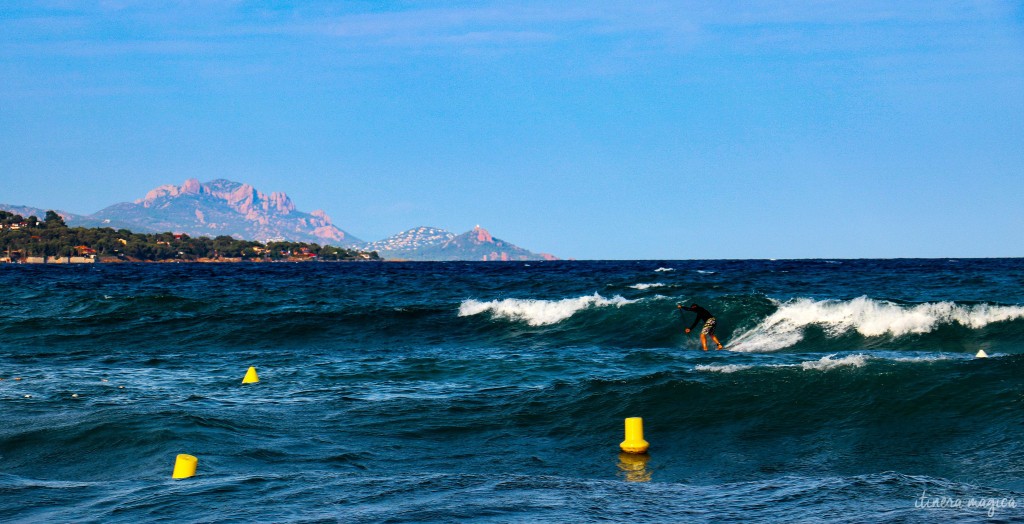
(224,208)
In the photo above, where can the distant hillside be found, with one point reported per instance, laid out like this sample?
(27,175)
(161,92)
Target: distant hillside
(39,213)
(221,207)
(409,244)
(33,241)
(438,244)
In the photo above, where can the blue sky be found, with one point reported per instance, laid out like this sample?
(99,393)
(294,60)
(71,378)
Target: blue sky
(593,130)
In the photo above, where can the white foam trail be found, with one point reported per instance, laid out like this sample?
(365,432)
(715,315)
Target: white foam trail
(727,368)
(538,312)
(664,269)
(870,318)
(647,286)
(921,359)
(827,362)
(706,272)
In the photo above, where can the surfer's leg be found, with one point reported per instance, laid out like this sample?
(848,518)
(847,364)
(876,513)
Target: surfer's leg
(713,337)
(704,341)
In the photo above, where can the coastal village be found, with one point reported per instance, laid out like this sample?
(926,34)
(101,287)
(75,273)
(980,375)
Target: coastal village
(50,241)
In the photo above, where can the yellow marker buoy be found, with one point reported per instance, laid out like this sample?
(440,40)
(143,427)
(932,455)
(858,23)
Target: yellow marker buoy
(981,354)
(184,466)
(250,376)
(634,442)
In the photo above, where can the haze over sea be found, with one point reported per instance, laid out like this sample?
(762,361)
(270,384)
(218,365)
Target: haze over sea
(442,392)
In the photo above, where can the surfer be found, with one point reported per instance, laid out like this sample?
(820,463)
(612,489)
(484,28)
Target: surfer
(709,324)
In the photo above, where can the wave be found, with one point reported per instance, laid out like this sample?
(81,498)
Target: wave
(865,316)
(826,363)
(643,287)
(829,362)
(536,312)
(664,269)
(723,368)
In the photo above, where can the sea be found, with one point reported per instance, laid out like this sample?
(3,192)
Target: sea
(848,391)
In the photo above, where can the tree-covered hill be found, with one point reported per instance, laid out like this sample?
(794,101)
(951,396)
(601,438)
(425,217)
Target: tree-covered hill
(22,237)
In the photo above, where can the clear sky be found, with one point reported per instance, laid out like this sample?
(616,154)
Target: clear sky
(590,129)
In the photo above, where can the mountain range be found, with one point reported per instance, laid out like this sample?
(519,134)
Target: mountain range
(225,207)
(431,243)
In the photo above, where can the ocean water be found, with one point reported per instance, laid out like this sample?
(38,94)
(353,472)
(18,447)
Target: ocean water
(496,392)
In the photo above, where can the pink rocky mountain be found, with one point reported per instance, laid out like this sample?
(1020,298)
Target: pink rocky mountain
(223,207)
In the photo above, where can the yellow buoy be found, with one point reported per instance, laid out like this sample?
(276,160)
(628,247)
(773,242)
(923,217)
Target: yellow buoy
(634,442)
(981,354)
(250,376)
(184,466)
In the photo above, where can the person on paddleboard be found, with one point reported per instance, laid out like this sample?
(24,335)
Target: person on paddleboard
(709,324)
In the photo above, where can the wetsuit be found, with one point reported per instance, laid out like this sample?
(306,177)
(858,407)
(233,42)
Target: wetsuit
(705,316)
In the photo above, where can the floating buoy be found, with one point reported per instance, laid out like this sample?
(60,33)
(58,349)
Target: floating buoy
(184,466)
(981,354)
(634,442)
(28,396)
(250,376)
(74,395)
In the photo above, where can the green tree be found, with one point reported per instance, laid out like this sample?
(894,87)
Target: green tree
(54,220)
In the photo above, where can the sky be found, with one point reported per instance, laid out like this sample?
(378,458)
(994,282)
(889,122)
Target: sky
(589,129)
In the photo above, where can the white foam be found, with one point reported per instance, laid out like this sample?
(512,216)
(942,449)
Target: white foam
(647,286)
(726,368)
(921,359)
(828,362)
(538,312)
(664,269)
(868,317)
(706,272)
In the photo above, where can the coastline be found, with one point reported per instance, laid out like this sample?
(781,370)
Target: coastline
(72,261)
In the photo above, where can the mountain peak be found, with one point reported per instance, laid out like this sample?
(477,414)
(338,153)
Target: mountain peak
(224,207)
(482,235)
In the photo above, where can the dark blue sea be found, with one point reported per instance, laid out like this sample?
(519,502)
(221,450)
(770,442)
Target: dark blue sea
(849,391)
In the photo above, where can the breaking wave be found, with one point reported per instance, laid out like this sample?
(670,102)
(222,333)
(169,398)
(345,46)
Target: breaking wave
(865,316)
(537,312)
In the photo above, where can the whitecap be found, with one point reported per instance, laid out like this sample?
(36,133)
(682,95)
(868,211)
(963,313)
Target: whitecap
(538,312)
(647,286)
(921,359)
(828,362)
(722,368)
(868,317)
(664,269)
